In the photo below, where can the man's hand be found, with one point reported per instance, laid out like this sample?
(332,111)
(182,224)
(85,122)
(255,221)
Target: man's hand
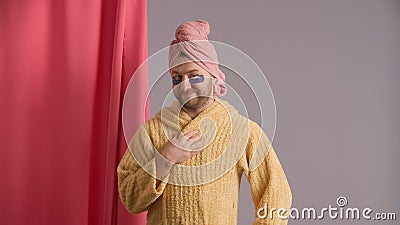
(179,149)
(183,147)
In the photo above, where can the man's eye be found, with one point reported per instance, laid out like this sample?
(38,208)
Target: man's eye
(195,76)
(176,81)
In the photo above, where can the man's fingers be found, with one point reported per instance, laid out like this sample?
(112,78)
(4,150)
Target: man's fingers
(180,139)
(197,137)
(199,143)
(191,134)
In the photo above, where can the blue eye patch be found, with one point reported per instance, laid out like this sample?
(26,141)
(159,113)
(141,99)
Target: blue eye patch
(193,80)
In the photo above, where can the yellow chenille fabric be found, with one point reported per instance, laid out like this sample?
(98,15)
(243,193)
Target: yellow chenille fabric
(207,196)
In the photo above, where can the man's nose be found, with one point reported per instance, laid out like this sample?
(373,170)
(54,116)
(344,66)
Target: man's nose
(185,85)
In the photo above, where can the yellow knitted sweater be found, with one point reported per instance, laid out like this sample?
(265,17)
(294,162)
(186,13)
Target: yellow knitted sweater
(205,188)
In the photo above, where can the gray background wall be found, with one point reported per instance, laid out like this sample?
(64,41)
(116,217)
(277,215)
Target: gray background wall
(333,67)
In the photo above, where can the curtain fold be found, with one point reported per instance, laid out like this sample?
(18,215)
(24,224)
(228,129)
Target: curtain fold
(64,68)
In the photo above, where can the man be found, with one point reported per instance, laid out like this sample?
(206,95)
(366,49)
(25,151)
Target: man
(184,165)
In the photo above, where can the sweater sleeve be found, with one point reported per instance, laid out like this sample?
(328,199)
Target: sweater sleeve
(137,188)
(268,183)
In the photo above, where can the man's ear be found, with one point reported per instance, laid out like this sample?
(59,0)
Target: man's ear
(219,88)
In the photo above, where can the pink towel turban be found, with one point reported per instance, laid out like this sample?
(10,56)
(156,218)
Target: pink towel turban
(192,41)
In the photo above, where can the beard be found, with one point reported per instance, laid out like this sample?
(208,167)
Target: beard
(195,102)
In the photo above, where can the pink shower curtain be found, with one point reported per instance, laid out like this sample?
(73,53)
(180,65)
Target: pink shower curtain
(64,67)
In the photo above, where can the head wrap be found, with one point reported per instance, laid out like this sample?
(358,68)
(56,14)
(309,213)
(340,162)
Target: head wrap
(192,41)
